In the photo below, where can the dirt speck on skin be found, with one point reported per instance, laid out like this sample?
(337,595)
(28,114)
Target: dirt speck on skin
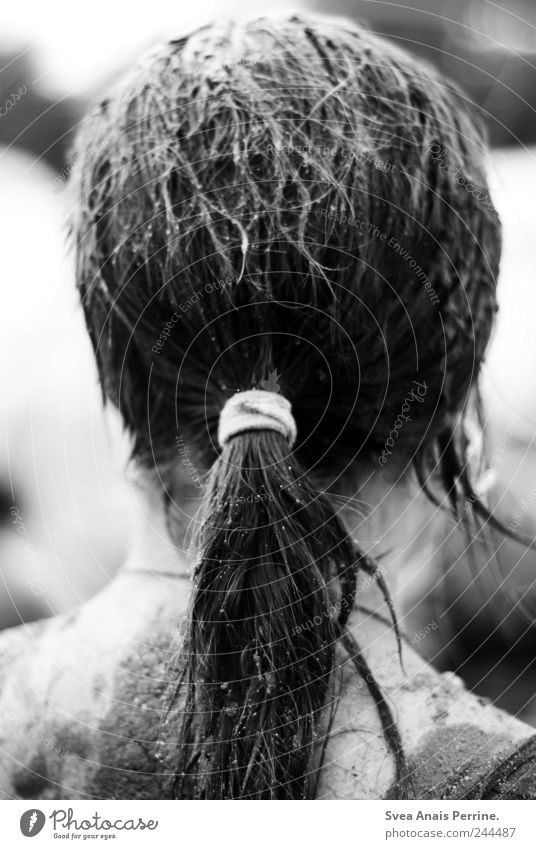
(421,681)
(31,781)
(74,740)
(99,685)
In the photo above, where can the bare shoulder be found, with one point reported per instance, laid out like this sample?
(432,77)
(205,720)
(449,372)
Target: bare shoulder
(17,642)
(81,695)
(447,732)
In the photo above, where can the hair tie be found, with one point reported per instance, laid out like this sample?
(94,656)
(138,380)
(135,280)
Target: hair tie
(256,409)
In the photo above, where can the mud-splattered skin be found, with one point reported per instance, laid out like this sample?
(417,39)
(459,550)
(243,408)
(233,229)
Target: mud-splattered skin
(463,762)
(82,700)
(83,709)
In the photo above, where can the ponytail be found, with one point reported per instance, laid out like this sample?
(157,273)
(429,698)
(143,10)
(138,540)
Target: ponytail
(261,632)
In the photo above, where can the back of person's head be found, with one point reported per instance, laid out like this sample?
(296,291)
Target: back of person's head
(292,205)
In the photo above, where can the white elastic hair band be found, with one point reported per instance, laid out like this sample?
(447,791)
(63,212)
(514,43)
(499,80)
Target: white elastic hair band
(256,409)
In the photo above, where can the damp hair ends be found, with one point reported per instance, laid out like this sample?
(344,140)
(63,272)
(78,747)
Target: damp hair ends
(260,679)
(307,182)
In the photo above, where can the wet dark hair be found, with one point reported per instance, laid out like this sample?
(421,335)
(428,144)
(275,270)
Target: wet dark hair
(296,204)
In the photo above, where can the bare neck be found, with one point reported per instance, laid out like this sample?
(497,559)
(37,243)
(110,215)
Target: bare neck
(394,523)
(152,549)
(398,526)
